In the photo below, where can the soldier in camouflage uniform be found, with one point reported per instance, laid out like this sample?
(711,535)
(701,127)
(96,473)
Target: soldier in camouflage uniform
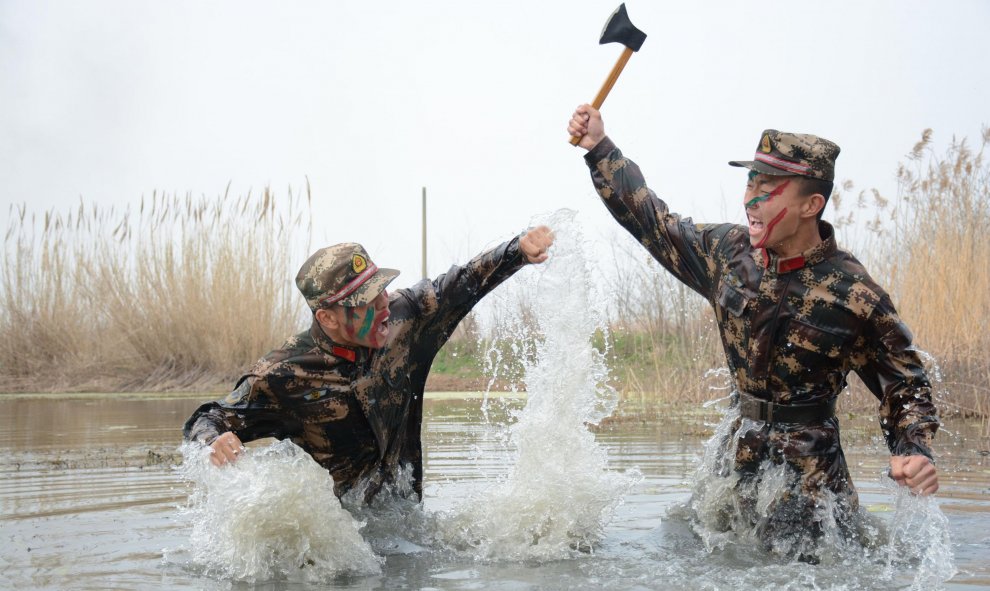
(795,315)
(349,390)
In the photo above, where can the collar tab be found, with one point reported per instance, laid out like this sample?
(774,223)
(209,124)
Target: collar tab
(790,264)
(344,353)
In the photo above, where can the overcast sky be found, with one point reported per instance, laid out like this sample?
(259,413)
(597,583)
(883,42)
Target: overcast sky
(111,100)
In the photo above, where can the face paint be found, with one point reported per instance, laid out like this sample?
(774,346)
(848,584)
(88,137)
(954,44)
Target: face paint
(349,318)
(768,196)
(369,319)
(769,228)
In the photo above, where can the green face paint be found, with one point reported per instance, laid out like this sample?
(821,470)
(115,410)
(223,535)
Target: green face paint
(369,319)
(349,317)
(756,200)
(767,196)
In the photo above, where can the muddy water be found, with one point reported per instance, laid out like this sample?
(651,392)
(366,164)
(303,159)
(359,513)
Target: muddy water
(90,499)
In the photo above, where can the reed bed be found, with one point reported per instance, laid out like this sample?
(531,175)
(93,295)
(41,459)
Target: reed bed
(176,295)
(928,246)
(183,293)
(942,277)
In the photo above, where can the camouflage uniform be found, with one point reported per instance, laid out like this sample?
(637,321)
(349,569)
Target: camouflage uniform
(358,412)
(791,329)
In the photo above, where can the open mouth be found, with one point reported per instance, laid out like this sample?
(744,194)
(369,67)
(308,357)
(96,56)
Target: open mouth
(382,329)
(755,226)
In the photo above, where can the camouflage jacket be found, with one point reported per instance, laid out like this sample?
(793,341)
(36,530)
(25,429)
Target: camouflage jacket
(358,412)
(791,329)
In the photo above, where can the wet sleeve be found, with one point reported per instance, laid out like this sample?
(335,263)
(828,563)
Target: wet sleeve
(894,373)
(444,301)
(682,247)
(251,411)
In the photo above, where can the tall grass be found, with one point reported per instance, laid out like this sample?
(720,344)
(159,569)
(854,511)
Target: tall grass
(928,247)
(938,263)
(664,337)
(175,295)
(184,292)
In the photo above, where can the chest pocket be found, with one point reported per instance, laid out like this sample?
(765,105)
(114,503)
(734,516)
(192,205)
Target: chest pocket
(733,301)
(325,404)
(830,342)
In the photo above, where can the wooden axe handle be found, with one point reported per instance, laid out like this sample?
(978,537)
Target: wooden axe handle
(609,83)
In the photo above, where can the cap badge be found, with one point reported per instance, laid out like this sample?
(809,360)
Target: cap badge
(358,263)
(765,144)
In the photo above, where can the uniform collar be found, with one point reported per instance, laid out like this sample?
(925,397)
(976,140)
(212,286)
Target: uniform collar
(352,354)
(809,258)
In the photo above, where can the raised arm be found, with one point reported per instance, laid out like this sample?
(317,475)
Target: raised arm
(444,301)
(686,249)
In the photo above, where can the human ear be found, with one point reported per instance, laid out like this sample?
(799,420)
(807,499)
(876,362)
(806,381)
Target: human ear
(327,319)
(812,205)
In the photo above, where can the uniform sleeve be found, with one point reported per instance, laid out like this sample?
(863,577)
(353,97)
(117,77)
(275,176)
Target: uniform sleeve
(894,373)
(683,248)
(251,411)
(444,301)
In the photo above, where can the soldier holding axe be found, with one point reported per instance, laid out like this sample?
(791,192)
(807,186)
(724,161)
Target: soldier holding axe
(796,314)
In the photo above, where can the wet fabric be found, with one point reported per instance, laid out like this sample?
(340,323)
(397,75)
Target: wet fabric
(791,329)
(358,412)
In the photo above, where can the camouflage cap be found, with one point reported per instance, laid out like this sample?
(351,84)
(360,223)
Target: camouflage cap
(342,274)
(781,153)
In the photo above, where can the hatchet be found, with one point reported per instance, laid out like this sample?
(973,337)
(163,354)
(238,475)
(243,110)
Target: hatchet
(620,29)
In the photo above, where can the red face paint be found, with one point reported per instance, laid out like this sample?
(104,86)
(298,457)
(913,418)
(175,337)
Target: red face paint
(769,228)
(350,317)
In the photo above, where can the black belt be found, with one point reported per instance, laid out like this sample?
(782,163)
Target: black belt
(752,407)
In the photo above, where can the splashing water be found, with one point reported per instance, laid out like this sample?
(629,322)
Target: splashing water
(254,520)
(915,541)
(919,531)
(559,495)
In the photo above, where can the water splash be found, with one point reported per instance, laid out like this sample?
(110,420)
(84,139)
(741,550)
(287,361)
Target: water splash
(915,542)
(254,520)
(559,494)
(919,533)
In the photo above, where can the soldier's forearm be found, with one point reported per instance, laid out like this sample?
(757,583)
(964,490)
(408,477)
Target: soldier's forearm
(203,431)
(204,425)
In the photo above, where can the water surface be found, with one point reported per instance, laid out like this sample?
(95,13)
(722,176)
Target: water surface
(90,500)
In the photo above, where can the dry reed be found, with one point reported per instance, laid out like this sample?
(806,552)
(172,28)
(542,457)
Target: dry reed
(941,278)
(177,295)
(184,292)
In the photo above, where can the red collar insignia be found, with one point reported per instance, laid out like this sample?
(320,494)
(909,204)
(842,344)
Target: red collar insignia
(791,264)
(344,353)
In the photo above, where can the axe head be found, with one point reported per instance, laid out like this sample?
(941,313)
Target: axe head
(620,29)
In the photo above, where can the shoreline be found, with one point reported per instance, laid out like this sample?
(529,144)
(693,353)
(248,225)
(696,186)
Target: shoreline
(207,396)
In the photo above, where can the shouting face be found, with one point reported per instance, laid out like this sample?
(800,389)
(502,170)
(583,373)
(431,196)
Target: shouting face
(774,212)
(359,326)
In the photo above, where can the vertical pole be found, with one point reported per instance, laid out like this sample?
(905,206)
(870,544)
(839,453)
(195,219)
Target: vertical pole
(424,234)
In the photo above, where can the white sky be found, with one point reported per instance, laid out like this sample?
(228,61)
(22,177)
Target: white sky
(111,100)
